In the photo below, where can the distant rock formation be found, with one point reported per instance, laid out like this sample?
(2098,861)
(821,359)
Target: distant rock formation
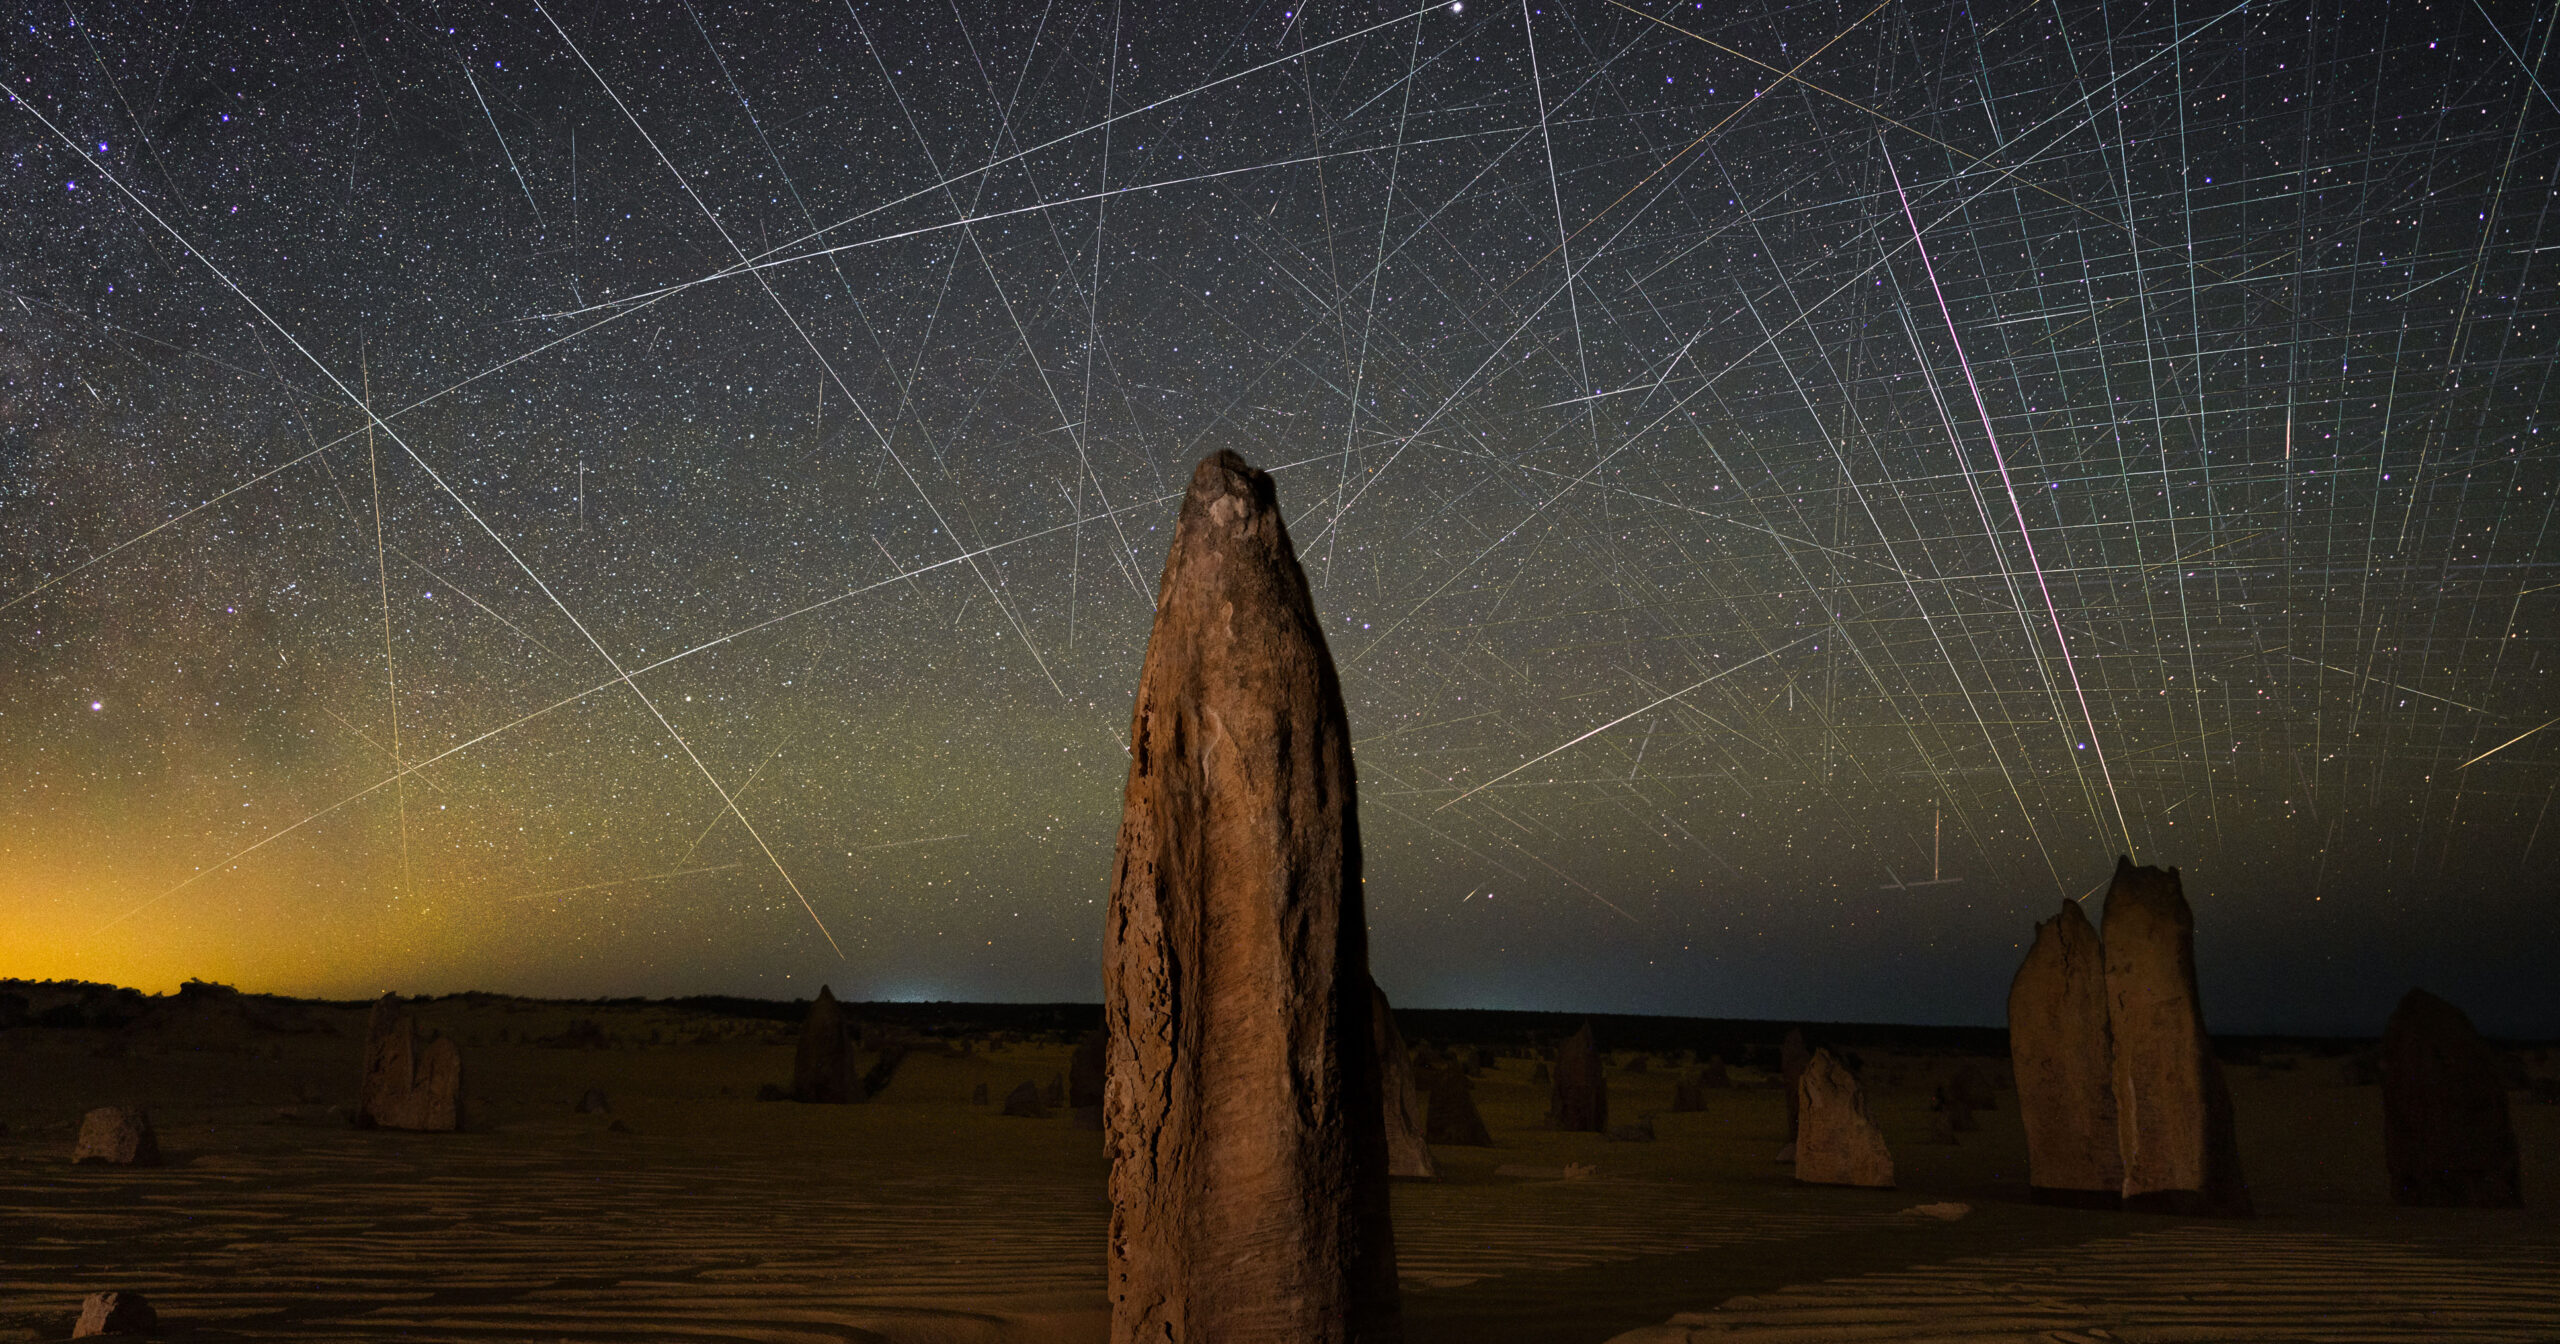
(1792,1059)
(1712,1074)
(2447,1138)
(1579,1100)
(1970,1088)
(1688,1095)
(1400,1100)
(115,1314)
(1248,1159)
(2173,1111)
(978,1095)
(408,1085)
(822,1069)
(2064,1056)
(1836,1144)
(117,1136)
(1086,1071)
(1453,1118)
(1024,1102)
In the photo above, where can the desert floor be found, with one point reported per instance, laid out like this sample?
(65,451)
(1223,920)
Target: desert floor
(694,1211)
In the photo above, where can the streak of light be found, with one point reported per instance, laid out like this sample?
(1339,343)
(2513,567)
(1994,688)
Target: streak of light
(502,139)
(432,474)
(367,739)
(909,844)
(2379,681)
(596,689)
(1747,105)
(2506,744)
(1719,676)
(626,881)
(2016,509)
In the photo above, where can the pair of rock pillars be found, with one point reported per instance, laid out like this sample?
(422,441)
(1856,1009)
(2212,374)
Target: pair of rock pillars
(1245,1094)
(2123,1101)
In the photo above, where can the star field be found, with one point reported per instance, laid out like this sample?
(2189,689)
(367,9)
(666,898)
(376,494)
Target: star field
(597,499)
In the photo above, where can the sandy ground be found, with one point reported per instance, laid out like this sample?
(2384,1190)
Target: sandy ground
(921,1217)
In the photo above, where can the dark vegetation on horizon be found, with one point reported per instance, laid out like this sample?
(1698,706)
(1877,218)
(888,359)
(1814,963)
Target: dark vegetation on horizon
(82,1004)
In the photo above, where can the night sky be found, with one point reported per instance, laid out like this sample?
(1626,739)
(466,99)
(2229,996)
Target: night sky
(1794,490)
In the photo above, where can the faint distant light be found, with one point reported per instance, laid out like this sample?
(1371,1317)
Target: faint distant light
(102,146)
(431,597)
(2084,746)
(97,704)
(70,186)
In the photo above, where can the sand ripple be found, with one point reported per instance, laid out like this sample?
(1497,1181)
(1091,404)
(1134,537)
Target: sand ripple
(2171,1286)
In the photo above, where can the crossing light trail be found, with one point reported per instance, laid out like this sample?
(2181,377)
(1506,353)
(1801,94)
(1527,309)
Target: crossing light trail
(1587,345)
(2017,511)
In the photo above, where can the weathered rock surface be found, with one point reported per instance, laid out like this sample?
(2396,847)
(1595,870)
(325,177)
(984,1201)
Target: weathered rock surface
(1836,1144)
(1024,1102)
(2447,1138)
(1454,1118)
(1579,1098)
(1248,1159)
(117,1136)
(408,1084)
(1792,1058)
(114,1314)
(2173,1111)
(1400,1098)
(822,1069)
(2064,1056)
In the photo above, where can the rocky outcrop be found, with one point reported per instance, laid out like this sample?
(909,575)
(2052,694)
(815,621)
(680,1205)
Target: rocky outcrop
(1454,1118)
(2447,1138)
(1248,1159)
(2173,1111)
(115,1314)
(117,1136)
(2062,1051)
(1688,1095)
(1836,1144)
(408,1083)
(1579,1098)
(1024,1102)
(1792,1058)
(822,1069)
(1400,1099)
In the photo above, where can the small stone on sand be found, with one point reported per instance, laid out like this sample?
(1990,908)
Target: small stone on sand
(114,1314)
(1024,1102)
(118,1136)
